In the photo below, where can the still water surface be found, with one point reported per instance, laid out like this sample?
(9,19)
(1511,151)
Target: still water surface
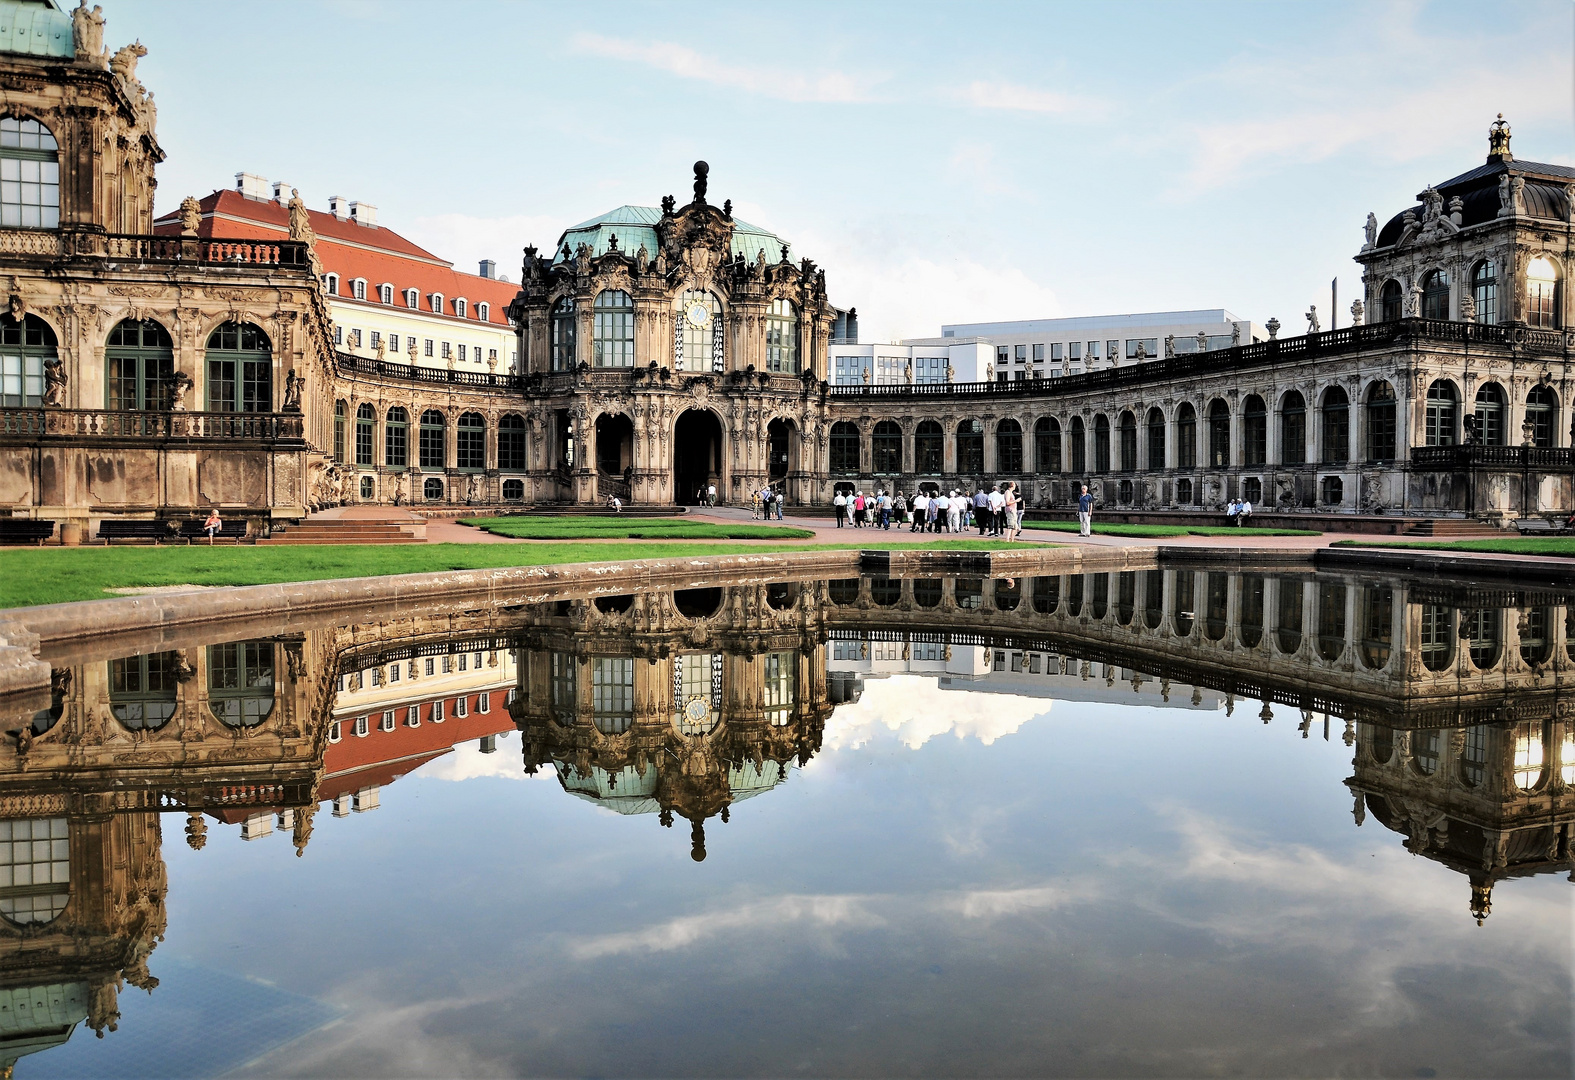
(1155,823)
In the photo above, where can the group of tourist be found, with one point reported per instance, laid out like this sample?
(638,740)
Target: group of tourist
(1239,511)
(767,503)
(994,511)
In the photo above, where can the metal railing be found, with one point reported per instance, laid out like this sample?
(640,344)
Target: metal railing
(104,423)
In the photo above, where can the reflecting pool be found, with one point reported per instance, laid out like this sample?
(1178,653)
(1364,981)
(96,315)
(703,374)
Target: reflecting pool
(1157,822)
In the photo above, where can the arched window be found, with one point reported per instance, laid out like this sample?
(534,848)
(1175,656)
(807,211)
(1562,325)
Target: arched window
(35,857)
(240,369)
(29,176)
(514,490)
(142,690)
(412,299)
(331,284)
(1336,448)
(24,348)
(460,304)
(1536,639)
(365,419)
(1183,492)
(366,487)
(483,312)
(1484,290)
(970,447)
(1391,302)
(1009,447)
(1254,431)
(1380,422)
(1437,637)
(1079,447)
(1182,596)
(1047,445)
(1490,412)
(1376,612)
(1542,293)
(1331,489)
(1288,616)
(698,333)
(1484,636)
(1473,756)
(141,361)
(396,438)
(1542,416)
(929,448)
(1331,622)
(886,449)
(1216,601)
(1156,439)
(432,451)
(1186,436)
(358,288)
(1435,295)
(385,294)
(435,301)
(470,442)
(1101,443)
(782,337)
(563,334)
(1219,433)
(1127,442)
(1530,761)
(432,489)
(511,442)
(1249,627)
(240,682)
(613,345)
(1442,408)
(1425,746)
(1293,429)
(845,448)
(340,410)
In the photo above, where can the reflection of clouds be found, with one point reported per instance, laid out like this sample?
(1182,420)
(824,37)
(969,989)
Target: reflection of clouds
(916,711)
(770,915)
(997,903)
(468,762)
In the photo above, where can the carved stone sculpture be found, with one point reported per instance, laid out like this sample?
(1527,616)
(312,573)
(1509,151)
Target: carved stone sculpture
(124,63)
(1273,327)
(1170,346)
(1358,312)
(55,380)
(1142,351)
(87,35)
(1413,302)
(1371,229)
(701,171)
(1235,333)
(182,387)
(292,391)
(412,352)
(1506,199)
(1468,307)
(642,259)
(1203,341)
(472,488)
(1312,318)
(190,216)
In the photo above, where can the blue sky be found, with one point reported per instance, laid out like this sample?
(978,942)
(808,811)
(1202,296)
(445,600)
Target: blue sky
(944,163)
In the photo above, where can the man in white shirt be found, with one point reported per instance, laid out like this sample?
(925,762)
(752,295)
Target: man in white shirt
(921,504)
(840,504)
(954,513)
(710,494)
(1244,511)
(997,501)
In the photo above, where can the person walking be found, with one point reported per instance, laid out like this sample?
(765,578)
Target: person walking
(932,513)
(997,501)
(954,514)
(858,510)
(883,504)
(1085,513)
(212,525)
(1012,510)
(710,494)
(899,509)
(921,504)
(839,504)
(981,510)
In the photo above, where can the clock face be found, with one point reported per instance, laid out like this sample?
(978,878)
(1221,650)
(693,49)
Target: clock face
(697,314)
(697,710)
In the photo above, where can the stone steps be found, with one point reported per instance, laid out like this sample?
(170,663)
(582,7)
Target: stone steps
(1454,528)
(345,531)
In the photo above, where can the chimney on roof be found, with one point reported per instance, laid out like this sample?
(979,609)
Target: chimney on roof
(251,186)
(281,193)
(489,269)
(364,213)
(338,207)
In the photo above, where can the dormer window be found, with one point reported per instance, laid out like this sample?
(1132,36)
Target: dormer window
(385,294)
(483,311)
(412,299)
(436,300)
(358,288)
(331,284)
(459,306)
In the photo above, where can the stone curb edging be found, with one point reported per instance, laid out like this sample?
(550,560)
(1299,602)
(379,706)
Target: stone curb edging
(1464,566)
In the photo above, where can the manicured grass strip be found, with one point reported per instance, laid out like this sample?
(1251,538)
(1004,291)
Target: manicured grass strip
(1158,531)
(631,528)
(56,575)
(1559,546)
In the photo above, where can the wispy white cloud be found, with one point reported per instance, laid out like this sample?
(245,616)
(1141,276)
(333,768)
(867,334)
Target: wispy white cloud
(773,914)
(886,708)
(686,63)
(1014,98)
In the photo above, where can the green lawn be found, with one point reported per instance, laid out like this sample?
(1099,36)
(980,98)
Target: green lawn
(631,528)
(1160,531)
(1511,545)
(52,575)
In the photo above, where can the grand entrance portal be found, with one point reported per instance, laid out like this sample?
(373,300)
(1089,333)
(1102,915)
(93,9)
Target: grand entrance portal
(779,435)
(697,456)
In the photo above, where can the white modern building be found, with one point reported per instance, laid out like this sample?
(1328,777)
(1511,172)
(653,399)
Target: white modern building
(930,361)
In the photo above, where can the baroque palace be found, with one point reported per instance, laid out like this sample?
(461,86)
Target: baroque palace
(149,372)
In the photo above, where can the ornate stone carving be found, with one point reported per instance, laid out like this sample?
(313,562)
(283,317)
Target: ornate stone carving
(87,35)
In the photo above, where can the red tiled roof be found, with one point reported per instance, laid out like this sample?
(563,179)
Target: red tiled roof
(353,752)
(380,255)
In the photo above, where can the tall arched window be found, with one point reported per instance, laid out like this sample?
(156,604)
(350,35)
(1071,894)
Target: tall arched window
(142,690)
(1009,447)
(1435,295)
(365,420)
(1530,762)
(1219,433)
(1484,290)
(563,334)
(1254,431)
(29,175)
(886,448)
(141,361)
(511,441)
(845,448)
(1293,429)
(432,451)
(1484,634)
(1442,409)
(396,438)
(613,344)
(1156,439)
(340,410)
(1391,302)
(1542,293)
(24,348)
(1101,443)
(1336,449)
(970,447)
(1079,445)
(782,337)
(1128,442)
(1542,415)
(240,369)
(929,448)
(1490,413)
(470,442)
(1376,604)
(1047,445)
(1331,622)
(1437,638)
(1380,422)
(1186,436)
(240,682)
(697,344)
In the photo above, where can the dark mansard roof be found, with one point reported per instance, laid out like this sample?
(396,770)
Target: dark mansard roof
(1478,190)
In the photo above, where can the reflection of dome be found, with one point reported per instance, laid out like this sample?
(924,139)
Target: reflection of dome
(636,225)
(625,791)
(34,1018)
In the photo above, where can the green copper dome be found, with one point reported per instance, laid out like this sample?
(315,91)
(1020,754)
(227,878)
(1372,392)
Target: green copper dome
(636,225)
(36,28)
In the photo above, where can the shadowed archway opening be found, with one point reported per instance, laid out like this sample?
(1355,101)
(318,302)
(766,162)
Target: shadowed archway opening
(614,445)
(697,455)
(779,434)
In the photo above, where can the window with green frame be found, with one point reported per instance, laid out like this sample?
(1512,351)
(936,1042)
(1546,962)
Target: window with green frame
(240,682)
(613,342)
(562,335)
(779,692)
(29,175)
(365,419)
(240,369)
(782,337)
(431,440)
(396,438)
(470,442)
(339,431)
(142,689)
(141,367)
(24,347)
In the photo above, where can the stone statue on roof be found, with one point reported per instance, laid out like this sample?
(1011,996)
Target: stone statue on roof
(642,259)
(667,204)
(1312,318)
(124,64)
(1170,346)
(1358,312)
(87,35)
(701,171)
(190,216)
(1371,230)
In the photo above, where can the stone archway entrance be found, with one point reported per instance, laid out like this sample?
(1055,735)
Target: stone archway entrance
(779,437)
(697,456)
(614,455)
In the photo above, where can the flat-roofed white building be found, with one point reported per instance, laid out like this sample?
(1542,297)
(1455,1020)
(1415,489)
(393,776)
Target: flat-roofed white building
(933,361)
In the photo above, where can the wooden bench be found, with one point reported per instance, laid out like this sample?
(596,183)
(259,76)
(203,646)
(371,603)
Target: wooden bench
(117,529)
(25,531)
(232,529)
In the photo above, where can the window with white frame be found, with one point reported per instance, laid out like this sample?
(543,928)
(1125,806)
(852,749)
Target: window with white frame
(331,284)
(358,288)
(385,294)
(413,716)
(461,707)
(388,721)
(393,343)
(377,339)
(360,727)
(393,673)
(412,298)
(483,703)
(448,350)
(464,661)
(437,303)
(459,306)
(430,665)
(437,712)
(484,311)
(462,353)
(334,733)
